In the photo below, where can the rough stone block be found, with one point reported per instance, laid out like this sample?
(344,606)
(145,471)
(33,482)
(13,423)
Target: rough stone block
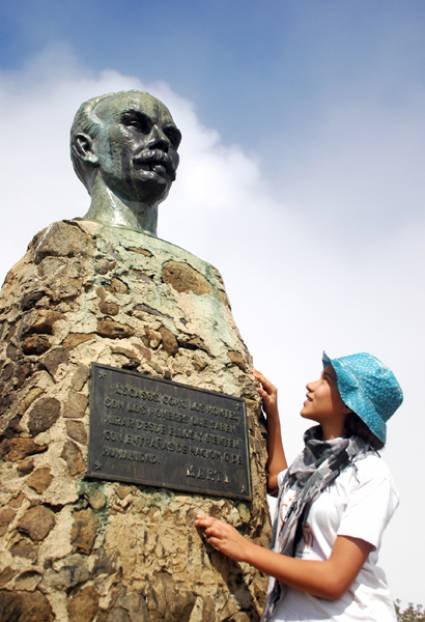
(6,517)
(77,431)
(43,415)
(73,458)
(17,448)
(37,522)
(184,278)
(40,479)
(75,405)
(24,607)
(82,606)
(83,532)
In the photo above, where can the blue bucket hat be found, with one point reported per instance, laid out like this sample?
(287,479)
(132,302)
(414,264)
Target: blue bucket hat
(368,388)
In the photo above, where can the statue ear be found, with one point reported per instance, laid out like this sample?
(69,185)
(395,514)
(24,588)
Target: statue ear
(82,145)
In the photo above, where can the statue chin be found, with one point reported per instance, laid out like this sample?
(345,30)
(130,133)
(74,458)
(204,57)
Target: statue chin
(148,188)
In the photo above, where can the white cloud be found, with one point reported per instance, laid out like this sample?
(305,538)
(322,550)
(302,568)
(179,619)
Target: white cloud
(361,165)
(294,286)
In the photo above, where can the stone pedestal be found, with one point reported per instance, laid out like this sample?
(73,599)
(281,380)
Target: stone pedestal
(79,550)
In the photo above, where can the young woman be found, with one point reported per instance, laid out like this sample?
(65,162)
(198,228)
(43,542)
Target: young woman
(334,501)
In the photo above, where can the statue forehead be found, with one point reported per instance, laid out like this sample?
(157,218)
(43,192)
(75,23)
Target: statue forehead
(114,105)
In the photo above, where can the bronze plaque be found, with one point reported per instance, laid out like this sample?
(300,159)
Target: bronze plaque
(160,433)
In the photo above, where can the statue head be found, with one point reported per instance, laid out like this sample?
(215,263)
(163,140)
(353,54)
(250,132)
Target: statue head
(126,141)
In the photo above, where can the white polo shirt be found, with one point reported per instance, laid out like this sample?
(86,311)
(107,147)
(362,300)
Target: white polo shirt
(359,503)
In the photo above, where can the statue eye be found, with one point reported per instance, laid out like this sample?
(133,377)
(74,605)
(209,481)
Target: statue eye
(137,120)
(173,135)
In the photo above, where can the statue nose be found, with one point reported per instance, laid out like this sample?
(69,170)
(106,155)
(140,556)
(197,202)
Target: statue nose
(158,140)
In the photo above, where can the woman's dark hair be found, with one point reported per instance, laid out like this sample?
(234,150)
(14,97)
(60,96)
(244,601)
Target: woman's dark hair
(353,425)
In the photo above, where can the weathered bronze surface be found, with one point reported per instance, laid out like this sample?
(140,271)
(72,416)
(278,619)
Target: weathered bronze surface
(165,434)
(124,149)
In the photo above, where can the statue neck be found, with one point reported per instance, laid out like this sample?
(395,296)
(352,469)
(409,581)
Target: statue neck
(107,208)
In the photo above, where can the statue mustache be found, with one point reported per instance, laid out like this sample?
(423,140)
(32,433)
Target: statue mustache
(156,156)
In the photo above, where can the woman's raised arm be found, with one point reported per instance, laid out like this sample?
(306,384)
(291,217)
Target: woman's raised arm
(276,461)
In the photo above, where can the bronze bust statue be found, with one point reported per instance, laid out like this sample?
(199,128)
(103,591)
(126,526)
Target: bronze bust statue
(124,150)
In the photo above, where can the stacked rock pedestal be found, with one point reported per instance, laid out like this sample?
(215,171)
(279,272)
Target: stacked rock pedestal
(80,550)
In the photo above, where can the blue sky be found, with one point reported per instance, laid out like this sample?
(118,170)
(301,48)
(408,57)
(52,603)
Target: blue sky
(266,75)
(301,176)
(233,57)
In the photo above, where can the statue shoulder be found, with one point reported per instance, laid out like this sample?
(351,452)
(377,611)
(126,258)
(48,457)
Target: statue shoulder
(75,247)
(177,265)
(54,251)
(64,238)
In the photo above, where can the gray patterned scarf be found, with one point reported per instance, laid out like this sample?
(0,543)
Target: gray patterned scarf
(313,470)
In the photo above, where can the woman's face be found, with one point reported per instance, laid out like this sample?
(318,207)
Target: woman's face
(323,401)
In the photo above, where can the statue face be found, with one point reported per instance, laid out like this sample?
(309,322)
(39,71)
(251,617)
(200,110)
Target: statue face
(136,147)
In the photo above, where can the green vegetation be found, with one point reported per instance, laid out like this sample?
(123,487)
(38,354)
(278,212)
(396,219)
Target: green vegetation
(413,613)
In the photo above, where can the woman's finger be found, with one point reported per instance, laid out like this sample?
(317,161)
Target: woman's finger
(258,375)
(214,531)
(264,381)
(215,542)
(204,521)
